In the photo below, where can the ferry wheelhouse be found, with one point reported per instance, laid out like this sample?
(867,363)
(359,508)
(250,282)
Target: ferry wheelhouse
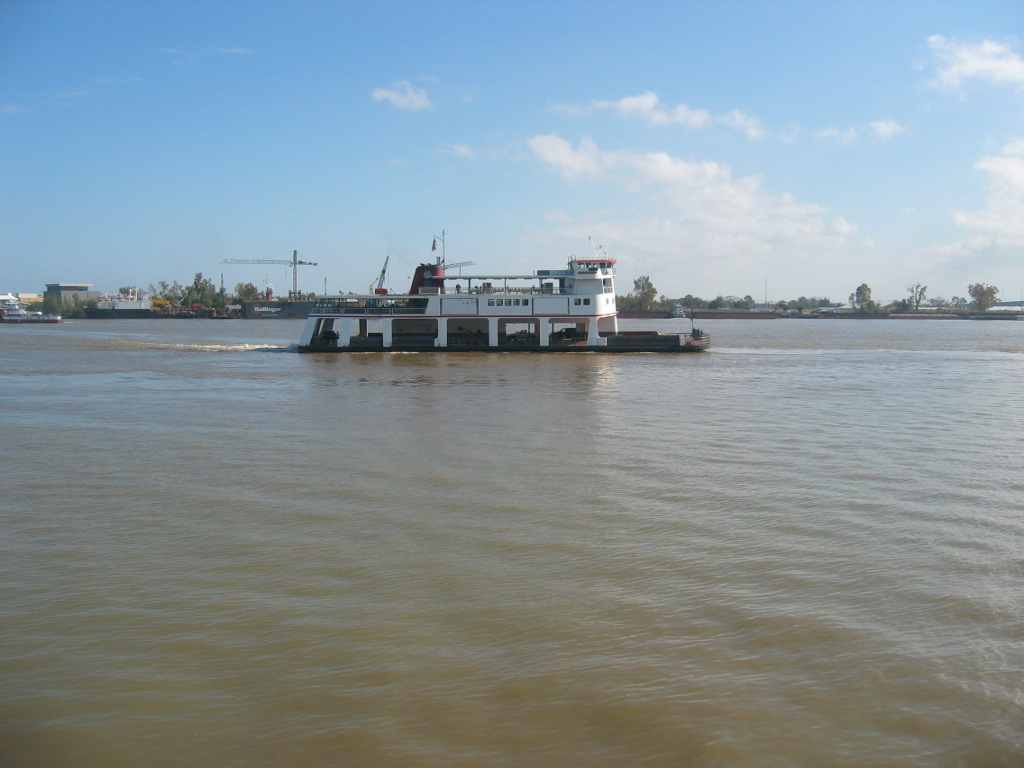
(563,310)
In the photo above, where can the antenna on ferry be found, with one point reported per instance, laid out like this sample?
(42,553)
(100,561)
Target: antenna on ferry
(440,259)
(599,250)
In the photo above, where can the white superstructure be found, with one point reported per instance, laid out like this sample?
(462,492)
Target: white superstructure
(133,300)
(571,309)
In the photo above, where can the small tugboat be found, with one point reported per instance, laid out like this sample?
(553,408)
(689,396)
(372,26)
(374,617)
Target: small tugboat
(551,310)
(15,314)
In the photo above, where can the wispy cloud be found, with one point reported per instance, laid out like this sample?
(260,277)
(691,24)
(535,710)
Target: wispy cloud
(846,136)
(880,130)
(69,95)
(887,129)
(184,57)
(988,60)
(1001,221)
(463,151)
(649,108)
(743,122)
(405,96)
(113,81)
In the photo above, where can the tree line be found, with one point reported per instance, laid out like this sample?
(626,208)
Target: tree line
(982,298)
(201,292)
(645,298)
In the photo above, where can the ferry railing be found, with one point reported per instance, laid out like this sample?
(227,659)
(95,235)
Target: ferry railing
(342,308)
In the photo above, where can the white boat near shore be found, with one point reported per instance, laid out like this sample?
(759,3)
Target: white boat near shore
(17,315)
(551,310)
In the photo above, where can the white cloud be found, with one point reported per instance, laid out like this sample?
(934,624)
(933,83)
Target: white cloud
(404,96)
(741,121)
(459,150)
(1001,222)
(180,57)
(994,234)
(571,163)
(648,107)
(886,129)
(675,207)
(843,136)
(987,60)
(1015,147)
(842,226)
(882,130)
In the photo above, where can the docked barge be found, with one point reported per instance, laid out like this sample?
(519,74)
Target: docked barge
(564,310)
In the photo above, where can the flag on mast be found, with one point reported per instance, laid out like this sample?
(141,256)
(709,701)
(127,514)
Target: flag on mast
(434,246)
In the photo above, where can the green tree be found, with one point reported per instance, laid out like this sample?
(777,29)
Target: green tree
(169,292)
(71,307)
(247,292)
(917,293)
(861,300)
(645,294)
(202,292)
(692,302)
(983,296)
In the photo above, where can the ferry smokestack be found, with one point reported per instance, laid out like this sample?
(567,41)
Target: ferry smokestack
(427,276)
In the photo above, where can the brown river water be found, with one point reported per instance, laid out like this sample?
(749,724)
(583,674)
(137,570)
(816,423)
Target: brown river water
(802,548)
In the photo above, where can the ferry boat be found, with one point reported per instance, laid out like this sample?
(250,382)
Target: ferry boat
(551,310)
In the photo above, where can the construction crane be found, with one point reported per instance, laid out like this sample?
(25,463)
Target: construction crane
(294,262)
(379,286)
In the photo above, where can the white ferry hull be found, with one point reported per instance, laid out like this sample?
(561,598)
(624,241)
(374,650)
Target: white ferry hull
(655,343)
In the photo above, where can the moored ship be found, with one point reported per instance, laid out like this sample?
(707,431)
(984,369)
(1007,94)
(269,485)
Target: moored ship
(274,309)
(565,310)
(124,306)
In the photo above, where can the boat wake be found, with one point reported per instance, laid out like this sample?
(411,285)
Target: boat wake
(230,347)
(221,346)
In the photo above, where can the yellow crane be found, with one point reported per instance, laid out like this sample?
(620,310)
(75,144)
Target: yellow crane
(294,261)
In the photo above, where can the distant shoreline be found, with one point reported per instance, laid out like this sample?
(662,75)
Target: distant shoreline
(756,314)
(300,310)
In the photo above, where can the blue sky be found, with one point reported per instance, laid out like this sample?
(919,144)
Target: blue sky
(720,148)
